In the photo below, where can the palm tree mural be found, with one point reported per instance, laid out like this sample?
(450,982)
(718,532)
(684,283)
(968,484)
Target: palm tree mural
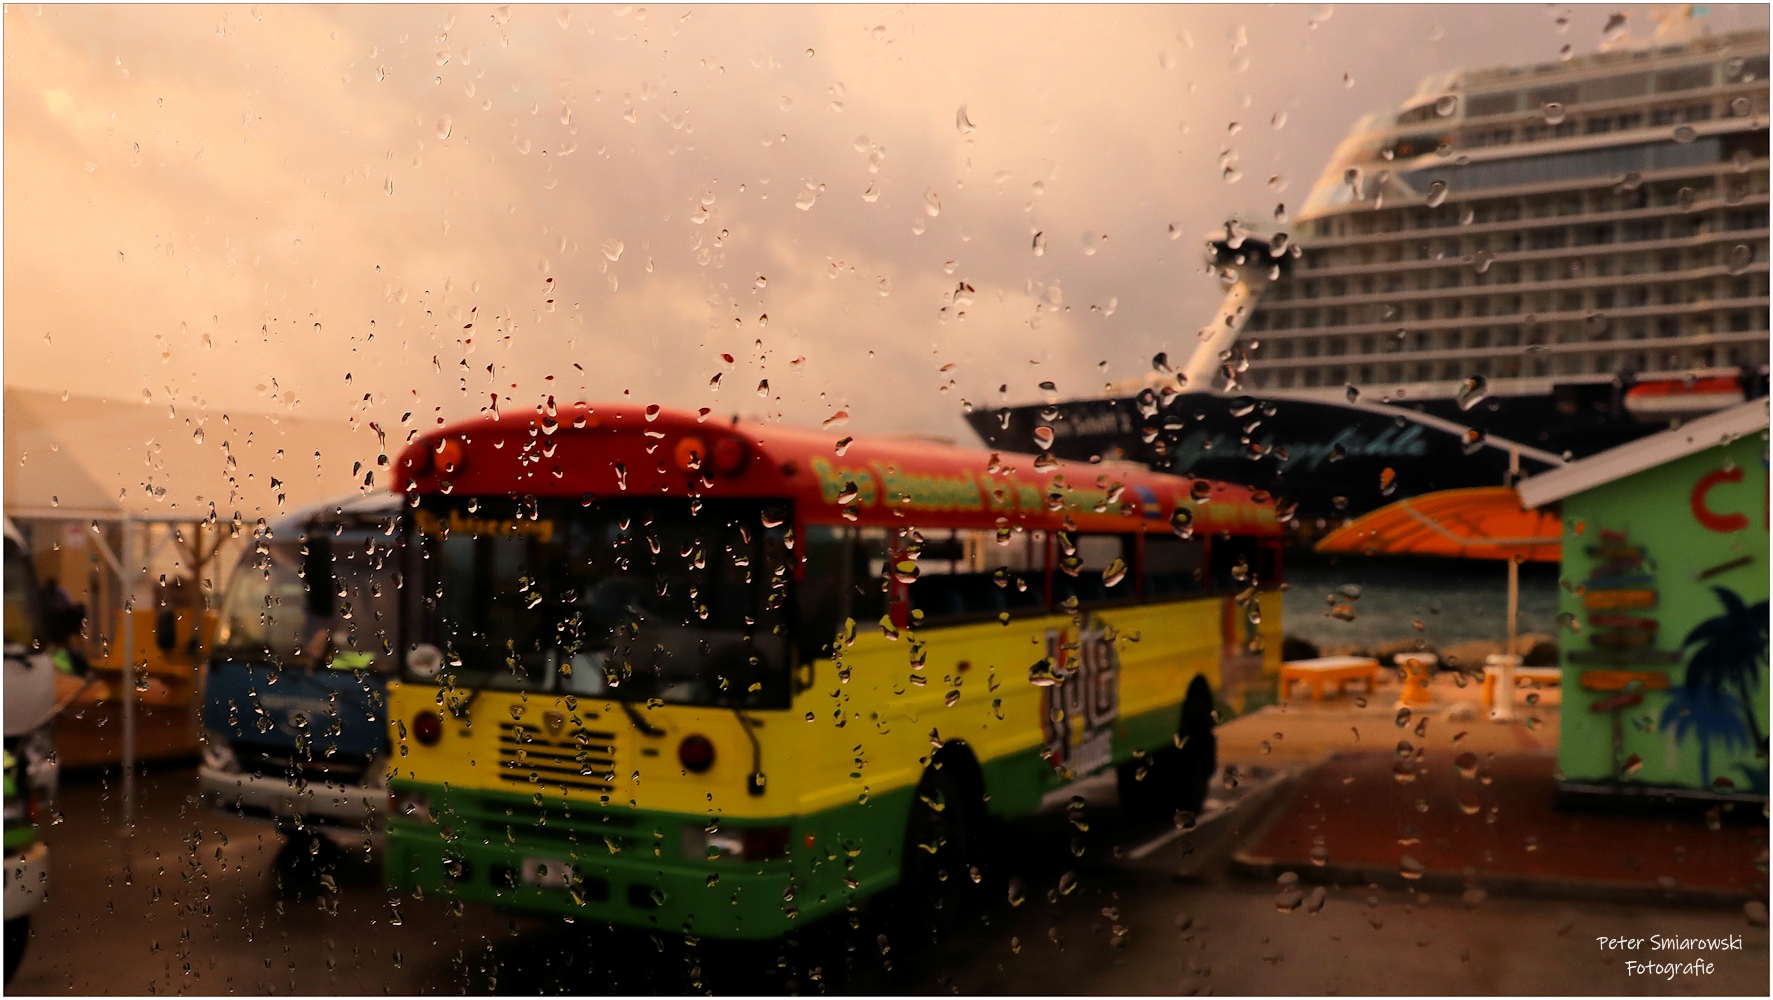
(1727,664)
(1706,716)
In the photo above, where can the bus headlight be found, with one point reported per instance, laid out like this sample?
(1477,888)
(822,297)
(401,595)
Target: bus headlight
(218,754)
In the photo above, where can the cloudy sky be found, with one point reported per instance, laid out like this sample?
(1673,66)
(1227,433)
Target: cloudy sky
(389,209)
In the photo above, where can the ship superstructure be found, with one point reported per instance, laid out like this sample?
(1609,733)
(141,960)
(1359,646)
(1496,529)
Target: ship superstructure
(1591,223)
(1518,267)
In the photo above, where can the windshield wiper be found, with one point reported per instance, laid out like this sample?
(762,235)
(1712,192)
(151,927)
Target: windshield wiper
(646,728)
(755,780)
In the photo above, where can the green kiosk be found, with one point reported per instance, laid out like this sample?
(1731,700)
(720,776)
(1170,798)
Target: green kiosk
(1664,603)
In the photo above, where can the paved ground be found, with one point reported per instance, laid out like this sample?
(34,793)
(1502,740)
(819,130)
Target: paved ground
(1491,821)
(1301,731)
(189,908)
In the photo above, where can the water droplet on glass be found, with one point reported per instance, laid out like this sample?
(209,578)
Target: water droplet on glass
(1437,193)
(1741,256)
(1685,133)
(444,127)
(1182,522)
(613,249)
(1445,105)
(1472,391)
(1553,112)
(932,204)
(1040,244)
(962,123)
(1043,437)
(1116,571)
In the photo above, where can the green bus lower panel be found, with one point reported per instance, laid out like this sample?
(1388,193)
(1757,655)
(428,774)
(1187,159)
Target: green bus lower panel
(639,868)
(1018,782)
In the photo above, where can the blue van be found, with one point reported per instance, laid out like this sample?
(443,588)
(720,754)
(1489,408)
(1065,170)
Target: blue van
(294,721)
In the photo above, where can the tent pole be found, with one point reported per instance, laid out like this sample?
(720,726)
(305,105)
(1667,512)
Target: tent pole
(128,582)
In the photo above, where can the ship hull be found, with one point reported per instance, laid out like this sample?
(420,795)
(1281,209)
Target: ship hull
(1330,459)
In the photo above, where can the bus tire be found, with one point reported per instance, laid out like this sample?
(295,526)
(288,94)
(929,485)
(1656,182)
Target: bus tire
(940,847)
(1197,757)
(1174,778)
(18,932)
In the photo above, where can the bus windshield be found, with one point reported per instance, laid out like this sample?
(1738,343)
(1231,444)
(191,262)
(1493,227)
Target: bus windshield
(326,600)
(673,599)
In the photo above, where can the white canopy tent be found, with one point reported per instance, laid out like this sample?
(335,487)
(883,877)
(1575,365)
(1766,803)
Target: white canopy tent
(154,472)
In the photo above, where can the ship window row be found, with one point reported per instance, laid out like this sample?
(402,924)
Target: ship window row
(1549,168)
(1610,88)
(1600,123)
(1686,194)
(1604,362)
(1598,302)
(1590,326)
(1279,311)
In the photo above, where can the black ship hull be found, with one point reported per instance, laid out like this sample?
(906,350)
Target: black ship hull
(1332,460)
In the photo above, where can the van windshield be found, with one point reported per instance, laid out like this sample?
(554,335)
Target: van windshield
(23,617)
(326,600)
(679,600)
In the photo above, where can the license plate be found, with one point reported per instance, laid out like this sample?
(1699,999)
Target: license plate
(547,873)
(1093,754)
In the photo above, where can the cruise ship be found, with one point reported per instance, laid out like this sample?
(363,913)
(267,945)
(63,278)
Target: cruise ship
(1517,267)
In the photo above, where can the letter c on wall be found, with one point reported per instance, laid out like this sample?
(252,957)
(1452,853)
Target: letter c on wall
(1704,515)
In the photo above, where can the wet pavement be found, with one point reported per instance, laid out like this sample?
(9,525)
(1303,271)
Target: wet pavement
(189,906)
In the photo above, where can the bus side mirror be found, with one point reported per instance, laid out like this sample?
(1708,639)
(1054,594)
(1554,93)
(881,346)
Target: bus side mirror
(317,573)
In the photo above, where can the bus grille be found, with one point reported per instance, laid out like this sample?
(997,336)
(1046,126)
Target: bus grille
(580,759)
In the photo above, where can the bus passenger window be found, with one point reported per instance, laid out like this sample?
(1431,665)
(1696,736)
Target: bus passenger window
(1173,566)
(1234,563)
(966,574)
(826,549)
(867,594)
(1269,565)
(1080,562)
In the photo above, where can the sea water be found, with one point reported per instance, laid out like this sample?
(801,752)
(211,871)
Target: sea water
(1454,600)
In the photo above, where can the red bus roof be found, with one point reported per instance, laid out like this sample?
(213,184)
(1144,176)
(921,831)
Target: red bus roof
(603,451)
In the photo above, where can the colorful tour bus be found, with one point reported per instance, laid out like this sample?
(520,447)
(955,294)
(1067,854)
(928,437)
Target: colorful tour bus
(670,672)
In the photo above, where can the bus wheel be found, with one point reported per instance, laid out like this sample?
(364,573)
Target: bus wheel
(1198,756)
(18,931)
(1174,778)
(939,848)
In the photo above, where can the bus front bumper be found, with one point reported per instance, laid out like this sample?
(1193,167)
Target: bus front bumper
(27,880)
(356,807)
(632,887)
